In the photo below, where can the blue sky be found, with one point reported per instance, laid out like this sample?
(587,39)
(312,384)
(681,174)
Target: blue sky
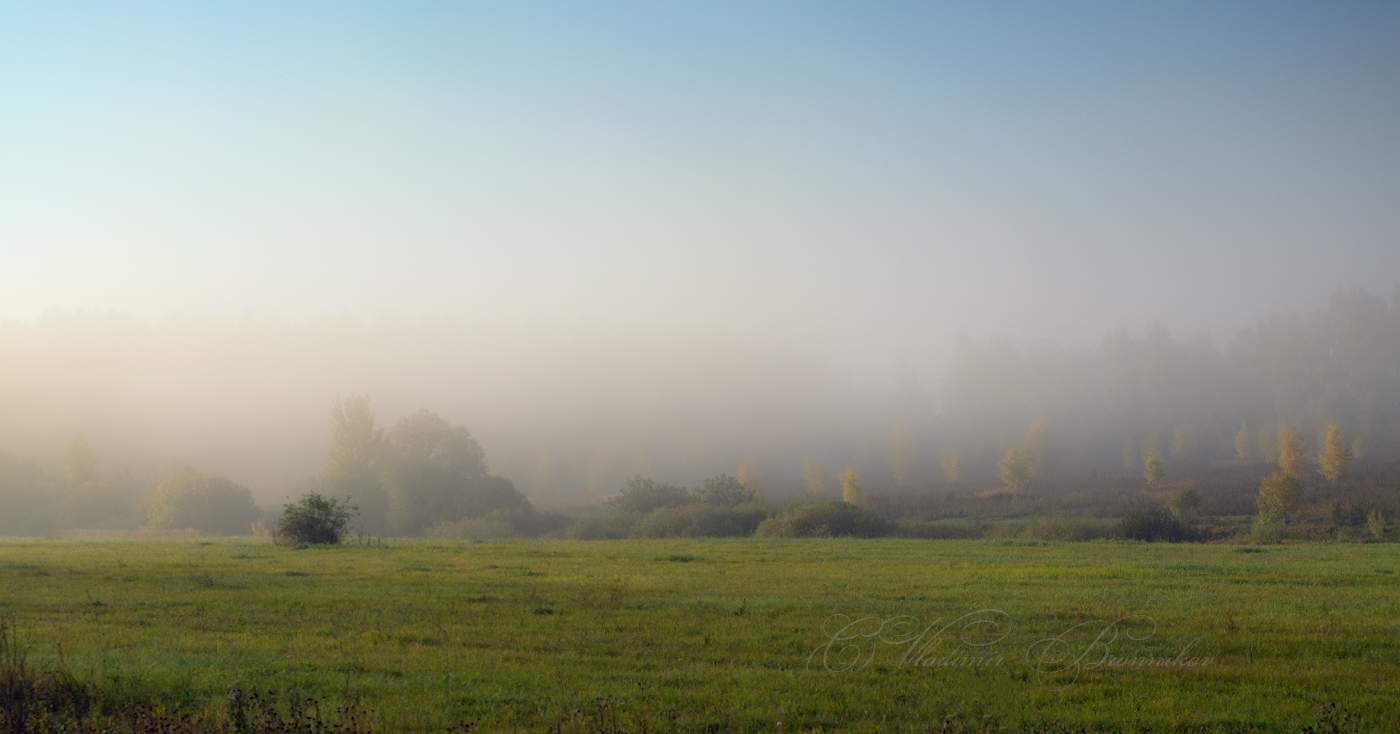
(870,180)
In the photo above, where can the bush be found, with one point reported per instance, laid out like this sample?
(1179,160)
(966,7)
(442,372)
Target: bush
(1268,527)
(603,527)
(1067,529)
(941,530)
(500,524)
(701,521)
(486,527)
(833,519)
(314,519)
(1153,524)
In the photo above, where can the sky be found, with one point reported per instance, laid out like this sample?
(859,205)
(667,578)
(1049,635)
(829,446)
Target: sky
(866,180)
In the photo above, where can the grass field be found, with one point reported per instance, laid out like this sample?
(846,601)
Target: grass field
(720,635)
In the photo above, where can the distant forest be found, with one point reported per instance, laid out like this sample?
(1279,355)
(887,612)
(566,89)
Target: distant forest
(786,430)
(1185,398)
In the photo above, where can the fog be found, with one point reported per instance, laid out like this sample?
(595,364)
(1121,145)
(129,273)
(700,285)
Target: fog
(681,242)
(568,413)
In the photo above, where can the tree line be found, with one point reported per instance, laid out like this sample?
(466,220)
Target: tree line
(1182,402)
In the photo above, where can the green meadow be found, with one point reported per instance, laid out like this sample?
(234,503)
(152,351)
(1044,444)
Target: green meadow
(730,635)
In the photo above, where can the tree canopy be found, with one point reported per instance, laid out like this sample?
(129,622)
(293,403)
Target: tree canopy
(209,504)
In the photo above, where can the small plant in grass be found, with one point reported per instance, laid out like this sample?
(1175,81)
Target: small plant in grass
(314,519)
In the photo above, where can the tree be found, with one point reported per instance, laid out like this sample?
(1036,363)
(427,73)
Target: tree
(1278,494)
(1335,460)
(1244,443)
(1039,448)
(1130,457)
(815,476)
(725,491)
(436,473)
(851,491)
(748,476)
(643,494)
(314,519)
(80,461)
(356,463)
(1292,451)
(1015,469)
(899,453)
(1268,442)
(1185,503)
(208,504)
(952,467)
(1184,443)
(1375,522)
(1152,469)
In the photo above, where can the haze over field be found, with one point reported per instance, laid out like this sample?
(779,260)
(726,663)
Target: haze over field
(621,239)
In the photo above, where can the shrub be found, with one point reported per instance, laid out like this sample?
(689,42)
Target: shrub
(941,530)
(500,524)
(1153,524)
(486,527)
(1067,529)
(603,527)
(1267,527)
(315,519)
(831,519)
(701,521)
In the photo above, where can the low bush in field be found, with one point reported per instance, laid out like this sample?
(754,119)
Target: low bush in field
(834,519)
(1071,529)
(501,524)
(314,519)
(941,530)
(701,521)
(1156,523)
(607,526)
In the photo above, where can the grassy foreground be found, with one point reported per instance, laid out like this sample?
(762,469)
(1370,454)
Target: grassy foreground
(720,635)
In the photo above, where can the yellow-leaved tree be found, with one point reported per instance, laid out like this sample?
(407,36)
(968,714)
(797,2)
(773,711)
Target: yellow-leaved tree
(1335,460)
(1375,522)
(1292,451)
(952,467)
(1152,469)
(1278,495)
(1039,448)
(1015,469)
(748,477)
(851,491)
